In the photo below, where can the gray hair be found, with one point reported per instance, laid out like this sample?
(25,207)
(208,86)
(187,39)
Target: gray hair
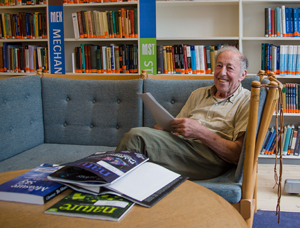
(243,59)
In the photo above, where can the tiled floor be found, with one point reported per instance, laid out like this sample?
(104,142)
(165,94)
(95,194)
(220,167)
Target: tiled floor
(267,195)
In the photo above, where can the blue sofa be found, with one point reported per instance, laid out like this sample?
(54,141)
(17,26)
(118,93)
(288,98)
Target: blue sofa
(55,120)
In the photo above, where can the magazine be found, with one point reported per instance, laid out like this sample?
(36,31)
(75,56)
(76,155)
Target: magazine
(144,183)
(105,207)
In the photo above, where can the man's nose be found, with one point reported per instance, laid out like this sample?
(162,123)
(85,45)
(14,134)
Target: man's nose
(223,70)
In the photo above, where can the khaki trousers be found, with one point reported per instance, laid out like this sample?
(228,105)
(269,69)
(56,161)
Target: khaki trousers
(188,157)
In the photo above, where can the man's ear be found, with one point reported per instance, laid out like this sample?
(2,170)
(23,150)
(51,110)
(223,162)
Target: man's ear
(243,75)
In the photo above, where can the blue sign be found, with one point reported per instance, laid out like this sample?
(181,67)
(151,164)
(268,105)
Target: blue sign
(56,39)
(147,18)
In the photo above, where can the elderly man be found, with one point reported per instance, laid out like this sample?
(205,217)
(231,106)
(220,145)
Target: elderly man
(209,130)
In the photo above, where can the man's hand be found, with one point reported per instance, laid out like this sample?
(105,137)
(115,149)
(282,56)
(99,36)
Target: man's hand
(186,127)
(157,127)
(228,150)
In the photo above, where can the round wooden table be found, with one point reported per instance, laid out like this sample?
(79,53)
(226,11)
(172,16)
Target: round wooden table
(189,205)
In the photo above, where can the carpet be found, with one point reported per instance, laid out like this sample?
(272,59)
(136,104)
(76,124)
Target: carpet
(268,219)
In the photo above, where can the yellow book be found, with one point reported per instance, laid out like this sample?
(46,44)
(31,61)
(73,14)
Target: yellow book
(284,98)
(165,59)
(120,23)
(36,25)
(126,24)
(86,24)
(4,25)
(105,22)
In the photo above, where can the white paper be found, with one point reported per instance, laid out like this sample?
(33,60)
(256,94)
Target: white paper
(144,181)
(158,112)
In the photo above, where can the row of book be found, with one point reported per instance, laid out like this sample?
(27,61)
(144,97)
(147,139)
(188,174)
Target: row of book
(95,1)
(186,59)
(282,22)
(18,58)
(105,59)
(282,59)
(109,24)
(291,98)
(23,25)
(22,2)
(106,185)
(290,141)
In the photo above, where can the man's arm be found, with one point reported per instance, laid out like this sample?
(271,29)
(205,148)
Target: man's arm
(228,150)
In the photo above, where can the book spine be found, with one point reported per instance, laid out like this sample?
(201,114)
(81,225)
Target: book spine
(165,59)
(75,25)
(297,143)
(104,68)
(283,22)
(202,61)
(208,59)
(160,59)
(193,60)
(177,61)
(266,22)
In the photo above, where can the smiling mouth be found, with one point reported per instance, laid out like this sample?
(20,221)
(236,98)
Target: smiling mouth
(223,80)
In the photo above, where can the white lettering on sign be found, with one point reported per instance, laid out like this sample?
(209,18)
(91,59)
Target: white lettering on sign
(148,49)
(56,16)
(150,65)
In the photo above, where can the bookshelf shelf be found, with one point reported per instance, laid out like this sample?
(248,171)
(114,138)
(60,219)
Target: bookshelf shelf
(197,2)
(197,38)
(100,4)
(23,7)
(22,40)
(270,39)
(103,40)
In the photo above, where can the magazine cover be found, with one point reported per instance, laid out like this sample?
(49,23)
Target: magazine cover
(106,207)
(102,167)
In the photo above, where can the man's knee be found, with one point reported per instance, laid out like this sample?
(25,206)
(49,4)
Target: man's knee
(136,132)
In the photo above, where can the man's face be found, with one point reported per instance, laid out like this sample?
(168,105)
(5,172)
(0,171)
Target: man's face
(227,76)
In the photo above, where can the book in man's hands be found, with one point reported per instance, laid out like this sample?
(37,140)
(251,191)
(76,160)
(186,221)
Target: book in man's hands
(158,112)
(32,186)
(105,207)
(133,178)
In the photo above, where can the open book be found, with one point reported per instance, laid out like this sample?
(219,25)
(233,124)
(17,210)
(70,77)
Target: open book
(144,184)
(158,112)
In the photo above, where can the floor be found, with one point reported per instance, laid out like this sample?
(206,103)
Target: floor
(267,195)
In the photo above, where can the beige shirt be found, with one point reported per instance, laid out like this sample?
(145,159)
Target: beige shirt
(227,117)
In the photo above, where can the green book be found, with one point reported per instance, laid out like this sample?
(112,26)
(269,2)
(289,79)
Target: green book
(98,60)
(105,207)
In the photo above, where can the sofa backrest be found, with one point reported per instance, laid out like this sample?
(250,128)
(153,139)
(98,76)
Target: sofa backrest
(21,116)
(90,112)
(172,94)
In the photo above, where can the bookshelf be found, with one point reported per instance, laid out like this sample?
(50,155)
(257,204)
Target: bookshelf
(16,9)
(232,22)
(69,42)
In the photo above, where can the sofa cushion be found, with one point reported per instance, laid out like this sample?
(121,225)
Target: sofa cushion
(21,115)
(51,154)
(90,112)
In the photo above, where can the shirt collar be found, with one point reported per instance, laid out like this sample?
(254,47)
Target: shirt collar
(212,90)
